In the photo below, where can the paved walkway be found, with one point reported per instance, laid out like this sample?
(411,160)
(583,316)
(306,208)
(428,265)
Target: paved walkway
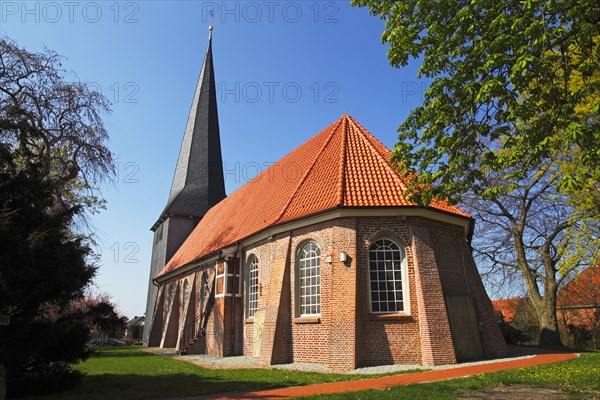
(406,379)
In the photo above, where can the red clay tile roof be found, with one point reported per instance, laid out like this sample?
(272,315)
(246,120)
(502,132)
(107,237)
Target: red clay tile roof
(343,166)
(507,307)
(584,290)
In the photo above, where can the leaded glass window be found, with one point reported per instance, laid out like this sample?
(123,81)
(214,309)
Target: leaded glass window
(252,286)
(386,263)
(309,279)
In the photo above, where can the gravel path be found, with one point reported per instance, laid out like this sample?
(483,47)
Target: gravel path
(462,370)
(515,353)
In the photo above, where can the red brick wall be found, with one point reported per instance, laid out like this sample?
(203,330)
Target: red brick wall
(492,340)
(343,338)
(215,331)
(275,336)
(262,253)
(312,339)
(450,262)
(461,277)
(347,335)
(186,305)
(155,336)
(436,340)
(307,339)
(171,326)
(386,339)
(272,259)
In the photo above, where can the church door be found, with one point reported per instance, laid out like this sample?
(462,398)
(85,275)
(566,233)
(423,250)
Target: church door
(463,325)
(257,333)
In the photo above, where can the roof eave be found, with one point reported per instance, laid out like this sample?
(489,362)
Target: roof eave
(211,256)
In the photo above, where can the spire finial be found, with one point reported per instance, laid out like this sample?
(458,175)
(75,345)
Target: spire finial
(212,17)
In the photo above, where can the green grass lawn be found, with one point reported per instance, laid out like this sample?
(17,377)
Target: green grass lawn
(573,379)
(128,373)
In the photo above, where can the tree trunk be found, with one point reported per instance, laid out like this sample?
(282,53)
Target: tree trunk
(549,334)
(2,383)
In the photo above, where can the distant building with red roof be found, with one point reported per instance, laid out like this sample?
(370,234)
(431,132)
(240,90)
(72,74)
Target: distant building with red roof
(318,259)
(506,308)
(577,304)
(578,301)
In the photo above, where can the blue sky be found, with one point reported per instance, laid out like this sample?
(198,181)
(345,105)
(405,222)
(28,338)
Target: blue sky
(285,70)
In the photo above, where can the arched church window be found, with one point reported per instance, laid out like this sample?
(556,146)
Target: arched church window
(388,278)
(186,292)
(252,300)
(203,291)
(309,279)
(170,294)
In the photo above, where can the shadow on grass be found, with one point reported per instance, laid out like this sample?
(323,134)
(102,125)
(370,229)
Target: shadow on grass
(137,387)
(114,352)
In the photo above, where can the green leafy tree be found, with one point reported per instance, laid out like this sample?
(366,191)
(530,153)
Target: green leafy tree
(44,266)
(509,124)
(531,237)
(521,76)
(100,315)
(49,117)
(53,156)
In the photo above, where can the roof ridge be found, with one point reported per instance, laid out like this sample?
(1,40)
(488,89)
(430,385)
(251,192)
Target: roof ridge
(287,205)
(361,131)
(342,170)
(369,139)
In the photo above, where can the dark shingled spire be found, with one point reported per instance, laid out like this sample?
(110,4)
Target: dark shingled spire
(198,183)
(197,186)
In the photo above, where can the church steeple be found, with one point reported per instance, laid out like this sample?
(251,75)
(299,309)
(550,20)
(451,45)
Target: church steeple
(198,183)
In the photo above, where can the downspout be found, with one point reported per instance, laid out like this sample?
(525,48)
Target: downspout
(471,233)
(233,293)
(151,317)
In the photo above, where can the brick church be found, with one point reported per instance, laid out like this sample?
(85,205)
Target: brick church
(318,259)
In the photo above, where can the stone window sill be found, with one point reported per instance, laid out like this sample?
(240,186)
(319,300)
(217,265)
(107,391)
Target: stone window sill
(249,321)
(391,317)
(307,320)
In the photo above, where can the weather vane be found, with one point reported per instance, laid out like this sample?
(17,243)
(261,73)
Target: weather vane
(212,17)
